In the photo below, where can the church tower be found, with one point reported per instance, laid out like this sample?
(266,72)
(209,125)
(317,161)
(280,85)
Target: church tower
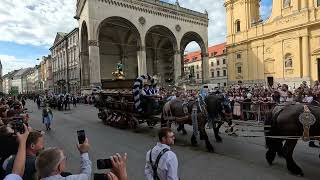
(241,15)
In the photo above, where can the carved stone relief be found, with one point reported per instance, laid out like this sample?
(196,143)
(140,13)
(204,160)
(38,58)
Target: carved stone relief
(142,20)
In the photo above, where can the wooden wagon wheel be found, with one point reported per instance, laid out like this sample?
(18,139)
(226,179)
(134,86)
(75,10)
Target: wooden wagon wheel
(132,121)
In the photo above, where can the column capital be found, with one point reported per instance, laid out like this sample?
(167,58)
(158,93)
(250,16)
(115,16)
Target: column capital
(141,48)
(93,43)
(177,51)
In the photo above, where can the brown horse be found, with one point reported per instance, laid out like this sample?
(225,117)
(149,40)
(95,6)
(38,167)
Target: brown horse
(184,113)
(284,121)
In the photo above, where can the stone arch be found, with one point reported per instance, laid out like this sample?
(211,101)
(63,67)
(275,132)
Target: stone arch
(161,47)
(119,40)
(84,55)
(188,38)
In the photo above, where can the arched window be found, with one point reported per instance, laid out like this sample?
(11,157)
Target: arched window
(238,25)
(286,3)
(288,61)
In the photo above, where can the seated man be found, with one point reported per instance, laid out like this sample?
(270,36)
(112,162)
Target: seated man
(52,162)
(145,91)
(34,144)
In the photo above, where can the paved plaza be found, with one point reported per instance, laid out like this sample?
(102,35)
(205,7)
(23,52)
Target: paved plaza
(235,159)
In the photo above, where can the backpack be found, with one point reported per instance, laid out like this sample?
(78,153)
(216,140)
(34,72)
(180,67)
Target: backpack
(156,164)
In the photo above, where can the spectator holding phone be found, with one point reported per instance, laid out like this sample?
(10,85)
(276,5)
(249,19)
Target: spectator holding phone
(34,144)
(19,162)
(52,162)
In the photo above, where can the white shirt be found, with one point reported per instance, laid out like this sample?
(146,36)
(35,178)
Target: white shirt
(307,99)
(168,164)
(12,177)
(85,171)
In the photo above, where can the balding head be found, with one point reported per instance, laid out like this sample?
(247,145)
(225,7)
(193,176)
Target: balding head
(47,163)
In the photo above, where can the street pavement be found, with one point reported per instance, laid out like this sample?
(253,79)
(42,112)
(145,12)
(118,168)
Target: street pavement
(236,158)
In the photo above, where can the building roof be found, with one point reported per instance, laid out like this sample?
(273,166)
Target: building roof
(61,36)
(215,50)
(21,72)
(10,74)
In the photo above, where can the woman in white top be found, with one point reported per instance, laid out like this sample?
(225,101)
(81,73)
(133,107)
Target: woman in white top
(308,98)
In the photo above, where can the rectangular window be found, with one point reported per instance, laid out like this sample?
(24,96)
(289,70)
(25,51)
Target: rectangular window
(238,56)
(197,66)
(224,61)
(224,72)
(191,68)
(239,69)
(218,62)
(218,73)
(198,76)
(211,63)
(212,74)
(224,84)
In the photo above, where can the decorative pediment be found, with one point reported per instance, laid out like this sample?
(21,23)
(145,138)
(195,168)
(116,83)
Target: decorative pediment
(316,52)
(58,38)
(239,76)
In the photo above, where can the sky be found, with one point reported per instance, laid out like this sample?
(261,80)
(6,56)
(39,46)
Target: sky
(28,27)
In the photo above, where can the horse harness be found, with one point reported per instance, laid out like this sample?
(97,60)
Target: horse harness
(156,163)
(307,119)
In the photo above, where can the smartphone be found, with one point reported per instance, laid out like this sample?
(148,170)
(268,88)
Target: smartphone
(81,136)
(104,164)
(97,176)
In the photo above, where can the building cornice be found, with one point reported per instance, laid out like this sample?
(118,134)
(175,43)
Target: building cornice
(159,8)
(274,33)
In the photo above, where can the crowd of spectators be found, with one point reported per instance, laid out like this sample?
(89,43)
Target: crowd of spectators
(23,155)
(247,101)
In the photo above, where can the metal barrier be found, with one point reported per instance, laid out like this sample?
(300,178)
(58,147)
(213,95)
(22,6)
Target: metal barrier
(257,110)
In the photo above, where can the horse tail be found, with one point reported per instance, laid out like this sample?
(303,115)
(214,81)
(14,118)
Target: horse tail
(270,125)
(267,128)
(137,88)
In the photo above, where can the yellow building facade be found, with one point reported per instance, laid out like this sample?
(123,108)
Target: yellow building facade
(282,49)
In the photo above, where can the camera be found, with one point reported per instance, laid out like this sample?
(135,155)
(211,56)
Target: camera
(17,125)
(104,164)
(97,176)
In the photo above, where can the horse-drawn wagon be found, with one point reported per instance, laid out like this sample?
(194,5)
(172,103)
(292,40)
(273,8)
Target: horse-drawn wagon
(121,105)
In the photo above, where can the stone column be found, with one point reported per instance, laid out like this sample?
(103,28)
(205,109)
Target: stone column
(311,3)
(295,5)
(142,61)
(84,69)
(305,56)
(94,63)
(304,4)
(205,67)
(177,65)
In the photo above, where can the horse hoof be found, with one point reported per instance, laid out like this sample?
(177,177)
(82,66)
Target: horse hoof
(210,149)
(297,171)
